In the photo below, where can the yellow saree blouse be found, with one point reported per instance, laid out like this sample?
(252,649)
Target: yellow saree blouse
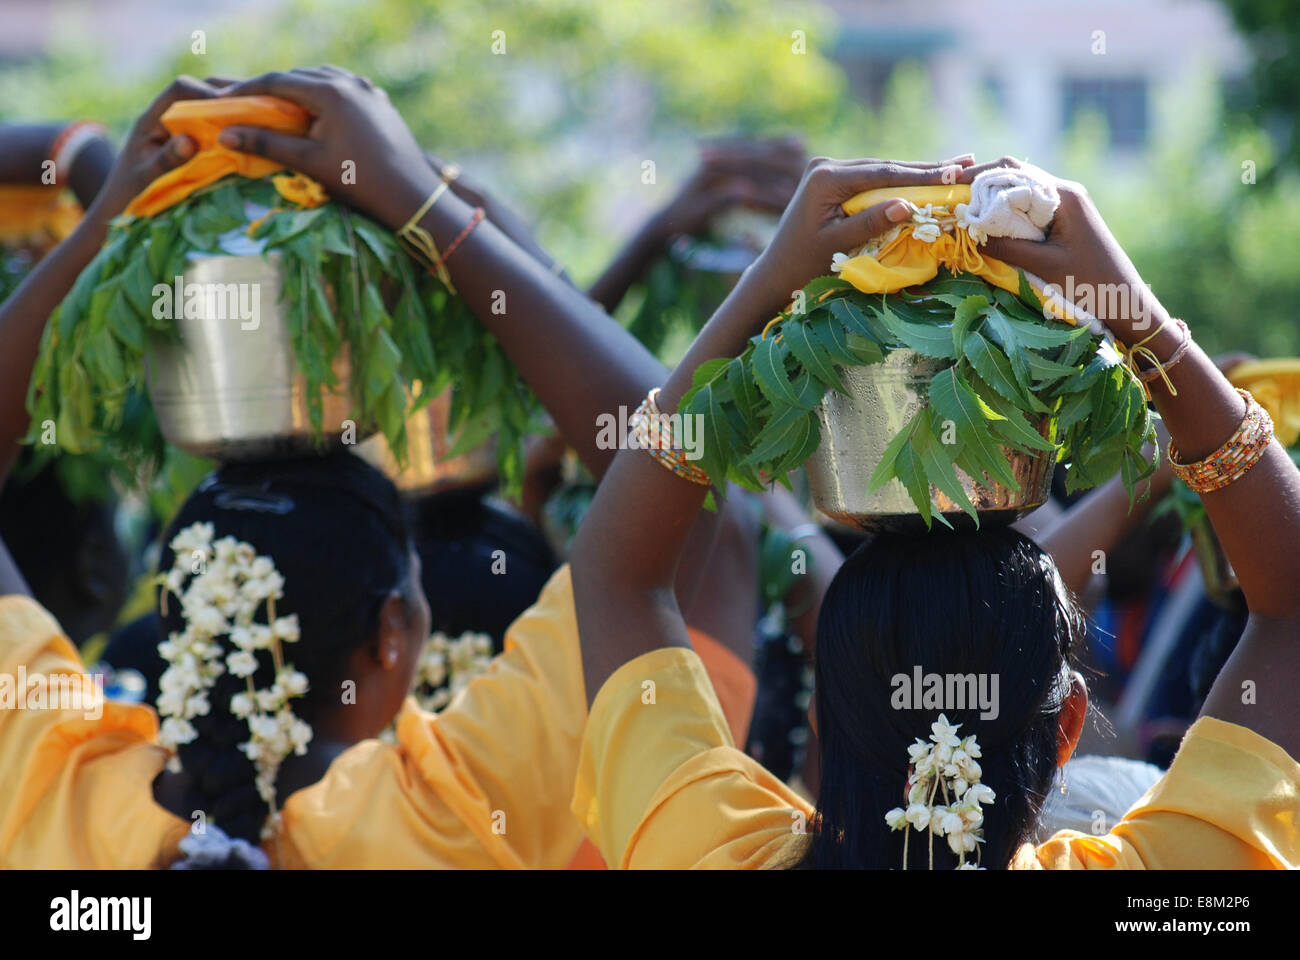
(486,783)
(662,785)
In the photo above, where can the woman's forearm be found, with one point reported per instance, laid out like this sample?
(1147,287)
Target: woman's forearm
(582,366)
(1257,518)
(25,147)
(628,266)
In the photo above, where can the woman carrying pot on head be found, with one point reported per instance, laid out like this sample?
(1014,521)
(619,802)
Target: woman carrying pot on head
(290,594)
(662,787)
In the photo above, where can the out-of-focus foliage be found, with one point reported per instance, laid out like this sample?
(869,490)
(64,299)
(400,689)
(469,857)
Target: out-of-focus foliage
(1272,29)
(1220,251)
(582,96)
(564,121)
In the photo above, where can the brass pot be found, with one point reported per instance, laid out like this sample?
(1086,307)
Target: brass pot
(428,440)
(229,387)
(856,428)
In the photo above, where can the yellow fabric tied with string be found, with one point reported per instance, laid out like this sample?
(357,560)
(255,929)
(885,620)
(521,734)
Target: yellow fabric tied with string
(203,121)
(907,261)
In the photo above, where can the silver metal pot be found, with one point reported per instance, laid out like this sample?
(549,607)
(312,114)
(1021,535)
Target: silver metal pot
(229,388)
(856,428)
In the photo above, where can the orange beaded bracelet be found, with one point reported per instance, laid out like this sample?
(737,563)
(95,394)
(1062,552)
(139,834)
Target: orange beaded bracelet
(1232,460)
(654,433)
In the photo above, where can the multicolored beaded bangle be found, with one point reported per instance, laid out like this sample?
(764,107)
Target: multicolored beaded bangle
(1232,460)
(654,434)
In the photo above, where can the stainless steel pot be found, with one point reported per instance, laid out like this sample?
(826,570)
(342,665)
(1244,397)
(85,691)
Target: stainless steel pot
(428,468)
(229,387)
(856,428)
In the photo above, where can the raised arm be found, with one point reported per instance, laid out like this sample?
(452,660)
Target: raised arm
(147,154)
(1257,517)
(24,148)
(761,173)
(578,362)
(1098,523)
(581,364)
(624,597)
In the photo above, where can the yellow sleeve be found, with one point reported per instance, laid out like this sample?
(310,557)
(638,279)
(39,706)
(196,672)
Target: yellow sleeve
(76,771)
(486,783)
(1230,801)
(661,785)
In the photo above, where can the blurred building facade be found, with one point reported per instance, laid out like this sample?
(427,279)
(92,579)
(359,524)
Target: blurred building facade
(1040,61)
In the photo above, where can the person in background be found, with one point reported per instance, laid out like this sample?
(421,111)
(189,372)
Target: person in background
(340,561)
(665,788)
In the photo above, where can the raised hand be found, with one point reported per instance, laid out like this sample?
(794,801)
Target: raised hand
(149,151)
(358,146)
(762,174)
(1081,253)
(815,227)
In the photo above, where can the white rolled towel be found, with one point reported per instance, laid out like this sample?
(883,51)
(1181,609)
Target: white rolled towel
(1013,202)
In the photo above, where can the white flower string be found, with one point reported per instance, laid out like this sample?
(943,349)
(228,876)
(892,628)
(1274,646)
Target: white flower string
(228,585)
(448,664)
(927,224)
(946,764)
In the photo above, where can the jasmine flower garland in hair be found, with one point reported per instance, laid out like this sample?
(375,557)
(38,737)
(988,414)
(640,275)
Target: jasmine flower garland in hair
(946,766)
(223,587)
(448,664)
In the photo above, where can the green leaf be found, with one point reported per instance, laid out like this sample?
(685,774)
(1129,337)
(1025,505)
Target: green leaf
(857,320)
(968,311)
(1046,371)
(885,469)
(769,373)
(716,446)
(778,437)
(811,352)
(743,392)
(1039,334)
(951,398)
(801,450)
(993,366)
(138,284)
(125,325)
(936,459)
(710,370)
(929,339)
(866,351)
(911,474)
(1013,428)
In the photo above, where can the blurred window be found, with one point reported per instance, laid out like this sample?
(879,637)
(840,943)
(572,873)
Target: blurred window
(1121,101)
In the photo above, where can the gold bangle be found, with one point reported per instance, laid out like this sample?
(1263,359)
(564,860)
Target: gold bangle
(1234,459)
(654,434)
(418,241)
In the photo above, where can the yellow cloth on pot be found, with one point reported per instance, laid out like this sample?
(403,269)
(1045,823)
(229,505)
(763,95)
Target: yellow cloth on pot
(203,121)
(907,261)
